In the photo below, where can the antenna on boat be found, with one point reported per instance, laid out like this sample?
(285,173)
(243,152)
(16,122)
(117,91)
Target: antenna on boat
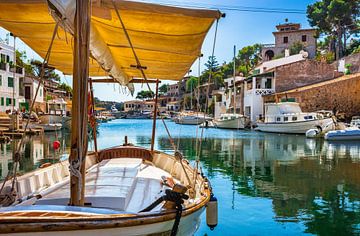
(234,77)
(154,116)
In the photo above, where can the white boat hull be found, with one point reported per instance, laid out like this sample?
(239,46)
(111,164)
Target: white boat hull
(190,121)
(292,127)
(236,123)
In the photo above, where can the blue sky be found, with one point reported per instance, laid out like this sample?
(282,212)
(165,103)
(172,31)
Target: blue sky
(237,28)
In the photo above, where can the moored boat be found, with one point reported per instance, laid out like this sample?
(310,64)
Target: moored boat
(343,135)
(232,121)
(287,117)
(123,190)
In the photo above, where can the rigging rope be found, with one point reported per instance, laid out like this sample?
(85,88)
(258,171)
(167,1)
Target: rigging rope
(199,144)
(139,66)
(18,148)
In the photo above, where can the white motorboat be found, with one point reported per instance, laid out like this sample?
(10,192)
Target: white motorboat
(287,117)
(351,133)
(50,127)
(232,121)
(191,119)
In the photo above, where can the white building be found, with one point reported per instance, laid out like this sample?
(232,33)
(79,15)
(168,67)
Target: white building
(30,85)
(11,80)
(262,83)
(224,97)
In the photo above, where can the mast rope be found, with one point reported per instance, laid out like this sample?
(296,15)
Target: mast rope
(139,66)
(200,139)
(17,155)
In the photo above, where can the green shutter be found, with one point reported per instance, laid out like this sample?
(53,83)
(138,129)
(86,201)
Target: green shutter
(10,82)
(0,80)
(2,101)
(14,102)
(8,101)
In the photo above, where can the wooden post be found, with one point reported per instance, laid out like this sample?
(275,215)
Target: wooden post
(155,114)
(80,102)
(93,114)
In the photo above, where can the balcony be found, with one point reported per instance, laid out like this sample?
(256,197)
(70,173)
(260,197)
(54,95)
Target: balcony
(18,70)
(263,92)
(260,92)
(268,45)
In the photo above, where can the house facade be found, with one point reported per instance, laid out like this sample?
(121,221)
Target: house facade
(31,84)
(11,80)
(287,35)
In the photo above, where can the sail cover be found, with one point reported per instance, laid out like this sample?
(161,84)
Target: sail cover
(166,39)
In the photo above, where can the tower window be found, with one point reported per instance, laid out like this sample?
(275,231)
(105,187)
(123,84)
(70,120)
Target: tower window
(286,39)
(304,38)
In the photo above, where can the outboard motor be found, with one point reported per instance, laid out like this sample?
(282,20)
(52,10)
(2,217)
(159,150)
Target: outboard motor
(212,212)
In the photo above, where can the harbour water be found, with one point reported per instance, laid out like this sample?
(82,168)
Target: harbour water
(266,184)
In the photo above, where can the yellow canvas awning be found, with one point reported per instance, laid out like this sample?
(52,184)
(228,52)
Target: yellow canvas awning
(166,39)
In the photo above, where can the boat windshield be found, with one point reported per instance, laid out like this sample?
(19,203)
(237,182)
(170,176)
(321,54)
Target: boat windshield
(287,108)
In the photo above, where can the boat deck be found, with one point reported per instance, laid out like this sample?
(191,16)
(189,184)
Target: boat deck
(123,184)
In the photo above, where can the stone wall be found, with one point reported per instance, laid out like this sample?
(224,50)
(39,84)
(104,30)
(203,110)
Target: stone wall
(341,95)
(303,73)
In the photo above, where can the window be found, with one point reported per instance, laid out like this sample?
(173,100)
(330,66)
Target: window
(286,118)
(308,117)
(303,38)
(8,101)
(0,80)
(2,101)
(294,118)
(10,82)
(3,58)
(7,58)
(286,39)
(278,119)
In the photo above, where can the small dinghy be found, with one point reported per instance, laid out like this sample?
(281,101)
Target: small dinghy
(343,135)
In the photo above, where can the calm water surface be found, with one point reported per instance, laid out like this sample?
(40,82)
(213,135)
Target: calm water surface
(266,184)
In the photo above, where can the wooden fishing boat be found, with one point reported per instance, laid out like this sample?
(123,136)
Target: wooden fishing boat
(120,183)
(124,190)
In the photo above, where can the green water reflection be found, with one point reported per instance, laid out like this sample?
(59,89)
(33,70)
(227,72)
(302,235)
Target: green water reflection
(266,183)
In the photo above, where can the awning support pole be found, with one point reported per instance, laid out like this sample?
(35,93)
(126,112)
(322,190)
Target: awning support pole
(154,116)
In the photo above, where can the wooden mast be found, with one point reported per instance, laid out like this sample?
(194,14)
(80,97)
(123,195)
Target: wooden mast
(154,118)
(93,114)
(80,102)
(234,76)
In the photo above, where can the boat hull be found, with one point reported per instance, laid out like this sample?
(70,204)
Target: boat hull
(190,120)
(236,123)
(292,127)
(343,135)
(188,226)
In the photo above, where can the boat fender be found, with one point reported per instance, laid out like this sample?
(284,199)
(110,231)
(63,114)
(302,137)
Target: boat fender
(212,212)
(56,145)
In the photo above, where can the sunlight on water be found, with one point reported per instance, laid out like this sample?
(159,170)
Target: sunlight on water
(266,184)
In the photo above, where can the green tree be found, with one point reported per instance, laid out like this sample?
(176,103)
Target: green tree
(248,57)
(145,94)
(192,83)
(335,18)
(65,87)
(296,47)
(49,72)
(163,89)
